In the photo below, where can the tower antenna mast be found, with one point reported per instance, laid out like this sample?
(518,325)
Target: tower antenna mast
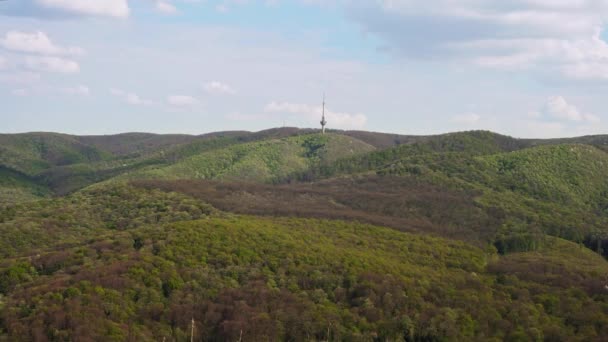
(192,331)
(323,122)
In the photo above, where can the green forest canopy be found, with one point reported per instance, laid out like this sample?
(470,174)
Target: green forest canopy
(293,235)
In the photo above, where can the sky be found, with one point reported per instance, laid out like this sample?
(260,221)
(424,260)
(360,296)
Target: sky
(525,68)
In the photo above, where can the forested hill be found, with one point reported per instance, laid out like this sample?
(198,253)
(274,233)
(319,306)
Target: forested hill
(48,163)
(292,235)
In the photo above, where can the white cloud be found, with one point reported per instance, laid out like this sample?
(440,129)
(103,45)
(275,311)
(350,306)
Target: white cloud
(535,115)
(165,7)
(41,89)
(313,114)
(557,108)
(468,118)
(3,63)
(558,118)
(21,77)
(216,87)
(580,58)
(110,8)
(80,90)
(131,98)
(51,64)
(222,8)
(35,42)
(182,100)
(553,36)
(590,70)
(19,92)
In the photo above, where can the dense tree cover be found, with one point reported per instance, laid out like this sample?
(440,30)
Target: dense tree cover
(130,152)
(569,174)
(382,140)
(508,220)
(69,220)
(66,163)
(301,279)
(263,161)
(404,203)
(478,248)
(599,141)
(556,189)
(559,189)
(34,152)
(421,150)
(16,187)
(67,178)
(134,144)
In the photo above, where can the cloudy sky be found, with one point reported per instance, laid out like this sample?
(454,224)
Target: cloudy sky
(527,68)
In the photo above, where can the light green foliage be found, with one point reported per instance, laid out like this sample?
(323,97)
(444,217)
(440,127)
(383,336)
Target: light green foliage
(570,174)
(554,189)
(33,152)
(65,163)
(69,220)
(16,187)
(264,161)
(307,277)
(119,262)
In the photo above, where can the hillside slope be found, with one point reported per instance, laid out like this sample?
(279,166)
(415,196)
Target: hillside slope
(140,144)
(124,270)
(286,234)
(555,189)
(264,161)
(31,153)
(66,163)
(16,187)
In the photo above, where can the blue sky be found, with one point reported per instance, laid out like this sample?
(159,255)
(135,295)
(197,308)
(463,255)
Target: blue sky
(527,68)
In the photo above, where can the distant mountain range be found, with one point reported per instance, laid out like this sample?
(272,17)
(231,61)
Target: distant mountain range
(64,163)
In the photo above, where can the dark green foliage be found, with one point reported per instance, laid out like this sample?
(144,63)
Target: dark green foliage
(81,165)
(15,274)
(69,220)
(424,150)
(16,187)
(599,141)
(138,243)
(294,279)
(557,189)
(33,152)
(131,144)
(260,161)
(66,163)
(383,140)
(313,145)
(518,237)
(475,252)
(404,203)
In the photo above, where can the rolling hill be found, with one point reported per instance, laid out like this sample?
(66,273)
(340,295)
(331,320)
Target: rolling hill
(66,163)
(16,187)
(33,152)
(287,234)
(142,263)
(263,161)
